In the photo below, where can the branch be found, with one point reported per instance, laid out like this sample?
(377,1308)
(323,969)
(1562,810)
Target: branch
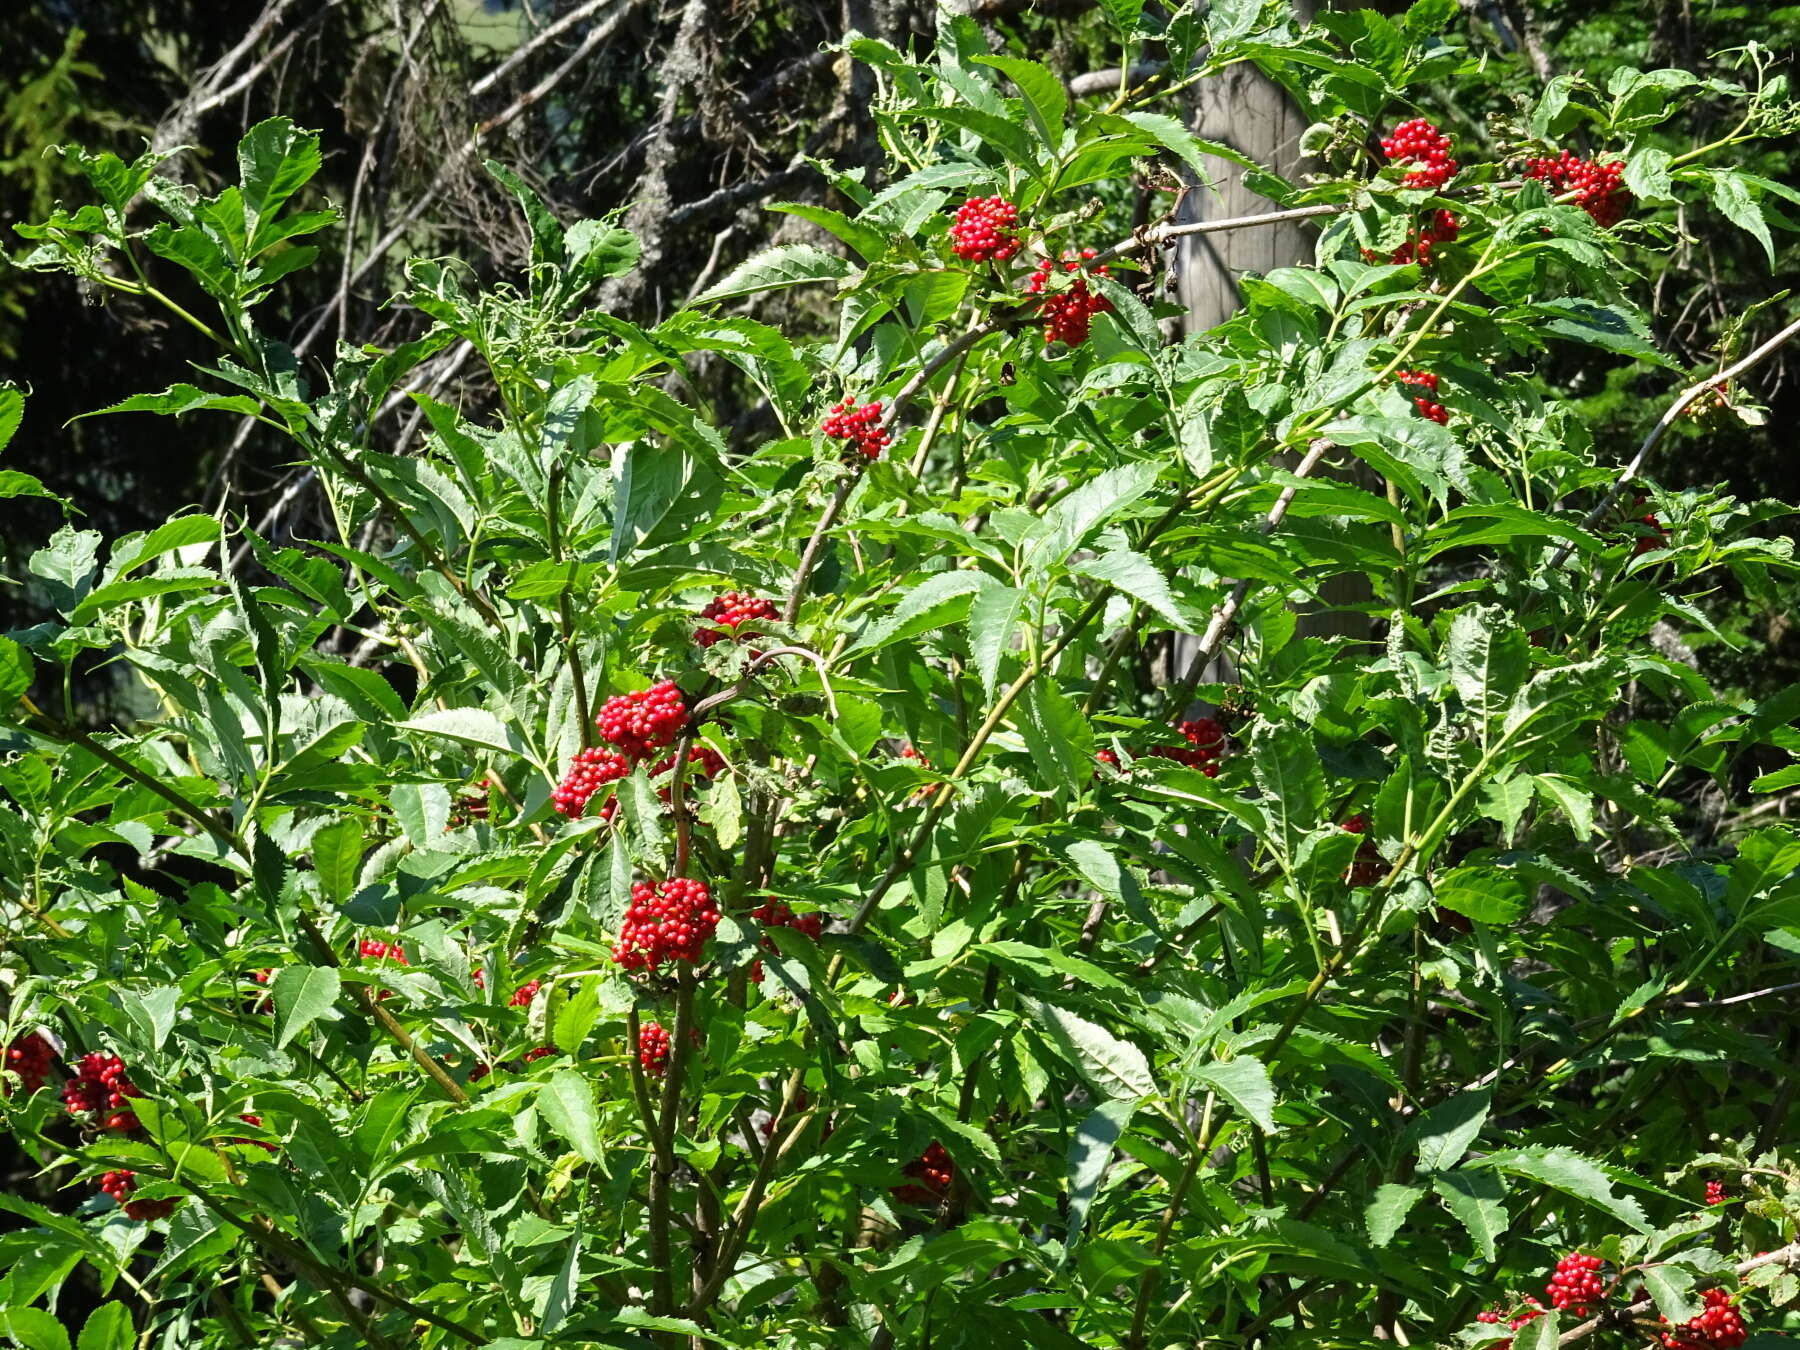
(1105,81)
(526,50)
(1667,420)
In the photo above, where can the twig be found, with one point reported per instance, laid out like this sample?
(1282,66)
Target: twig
(1667,420)
(526,50)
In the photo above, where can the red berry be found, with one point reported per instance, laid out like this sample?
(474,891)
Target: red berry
(1206,738)
(669,921)
(934,1171)
(1719,1324)
(859,426)
(1365,868)
(30,1057)
(256,1120)
(1068,313)
(1599,188)
(703,762)
(1423,379)
(1715,1193)
(732,610)
(539,1053)
(100,1085)
(1420,143)
(653,1049)
(982,230)
(775,914)
(523,995)
(646,721)
(589,771)
(121,1184)
(1575,1285)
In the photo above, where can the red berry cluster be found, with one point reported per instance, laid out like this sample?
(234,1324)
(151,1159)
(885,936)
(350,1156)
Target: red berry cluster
(1443,229)
(1206,741)
(653,1049)
(1067,314)
(645,721)
(1110,758)
(100,1088)
(1420,142)
(1716,1193)
(472,807)
(1649,543)
(29,1057)
(1719,1324)
(391,951)
(539,1053)
(982,230)
(775,914)
(1599,188)
(1527,1314)
(1575,1285)
(522,996)
(860,426)
(1427,405)
(589,771)
(934,1170)
(669,921)
(120,1184)
(1365,868)
(731,610)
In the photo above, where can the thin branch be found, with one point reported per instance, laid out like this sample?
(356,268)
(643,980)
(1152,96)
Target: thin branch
(526,50)
(1667,420)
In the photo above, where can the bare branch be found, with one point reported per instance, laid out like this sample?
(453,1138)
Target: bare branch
(526,50)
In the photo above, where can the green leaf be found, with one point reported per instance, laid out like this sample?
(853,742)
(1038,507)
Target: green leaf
(1731,194)
(1245,1083)
(652,480)
(1045,99)
(1224,433)
(337,855)
(275,160)
(870,242)
(1192,151)
(776,269)
(546,230)
(12,411)
(1541,1333)
(1087,508)
(1569,1172)
(1136,576)
(1673,1289)
(1488,658)
(153,1013)
(15,673)
(1090,1150)
(176,400)
(1485,894)
(1286,767)
(471,726)
(108,1328)
(1447,1130)
(1611,328)
(1114,1068)
(936,602)
(1388,1209)
(1060,731)
(566,1102)
(36,1329)
(992,615)
(1475,1198)
(302,994)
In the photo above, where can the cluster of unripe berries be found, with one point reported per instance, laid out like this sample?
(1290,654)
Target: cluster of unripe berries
(982,230)
(119,1185)
(861,427)
(731,611)
(932,1173)
(100,1090)
(29,1057)
(668,921)
(1420,143)
(1426,402)
(1599,188)
(1068,313)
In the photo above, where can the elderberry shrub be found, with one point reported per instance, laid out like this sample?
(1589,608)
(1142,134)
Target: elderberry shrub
(1287,930)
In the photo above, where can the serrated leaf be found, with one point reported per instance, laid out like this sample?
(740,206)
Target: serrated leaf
(940,599)
(1190,149)
(36,1329)
(1673,1289)
(302,994)
(1732,196)
(1245,1083)
(275,160)
(1475,1198)
(1569,1172)
(152,1012)
(176,400)
(108,1327)
(1287,768)
(1388,1209)
(1085,509)
(566,1103)
(1090,1150)
(1136,576)
(1486,894)
(1114,1068)
(776,269)
(337,854)
(12,411)
(992,615)
(1446,1131)
(471,726)
(1059,734)
(1045,99)
(870,242)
